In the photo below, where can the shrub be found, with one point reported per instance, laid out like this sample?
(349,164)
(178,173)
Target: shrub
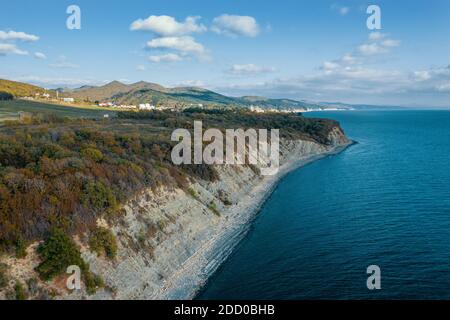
(33,286)
(6,96)
(92,282)
(57,253)
(3,276)
(192,193)
(93,154)
(20,292)
(103,241)
(21,248)
(99,196)
(212,206)
(224,198)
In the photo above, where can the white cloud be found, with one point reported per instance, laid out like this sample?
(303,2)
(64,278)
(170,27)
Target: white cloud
(64,65)
(8,48)
(390,43)
(170,57)
(249,69)
(354,78)
(20,36)
(234,25)
(344,10)
(358,84)
(372,49)
(445,87)
(40,55)
(167,26)
(375,36)
(422,75)
(349,59)
(141,67)
(330,65)
(378,44)
(184,44)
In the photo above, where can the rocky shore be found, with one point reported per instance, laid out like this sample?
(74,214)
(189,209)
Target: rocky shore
(198,230)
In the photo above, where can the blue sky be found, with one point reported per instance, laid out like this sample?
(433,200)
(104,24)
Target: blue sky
(313,50)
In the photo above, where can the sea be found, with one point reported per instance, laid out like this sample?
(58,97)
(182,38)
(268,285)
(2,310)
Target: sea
(383,202)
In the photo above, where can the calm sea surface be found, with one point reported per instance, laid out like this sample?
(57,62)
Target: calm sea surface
(385,201)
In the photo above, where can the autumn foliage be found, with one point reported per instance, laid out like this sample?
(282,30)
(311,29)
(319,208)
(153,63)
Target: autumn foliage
(65,174)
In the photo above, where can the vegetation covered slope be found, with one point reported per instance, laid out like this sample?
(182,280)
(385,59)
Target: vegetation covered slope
(98,93)
(65,174)
(19,89)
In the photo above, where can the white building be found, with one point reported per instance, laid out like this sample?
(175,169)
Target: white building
(68,99)
(106,104)
(124,106)
(256,109)
(146,106)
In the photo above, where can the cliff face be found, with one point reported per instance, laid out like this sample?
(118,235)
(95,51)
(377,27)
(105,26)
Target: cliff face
(171,240)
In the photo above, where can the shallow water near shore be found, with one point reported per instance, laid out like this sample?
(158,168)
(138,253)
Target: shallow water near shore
(383,201)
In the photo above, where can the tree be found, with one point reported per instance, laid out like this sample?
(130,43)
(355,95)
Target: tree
(57,253)
(6,96)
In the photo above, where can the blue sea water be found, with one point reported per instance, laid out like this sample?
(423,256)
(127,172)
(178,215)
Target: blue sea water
(384,201)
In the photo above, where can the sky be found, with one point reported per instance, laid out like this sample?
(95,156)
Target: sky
(307,50)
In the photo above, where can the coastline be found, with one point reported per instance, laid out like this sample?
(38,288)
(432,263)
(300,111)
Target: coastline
(191,277)
(193,240)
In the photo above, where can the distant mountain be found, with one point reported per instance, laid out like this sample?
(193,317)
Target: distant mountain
(341,105)
(281,103)
(97,93)
(145,92)
(147,85)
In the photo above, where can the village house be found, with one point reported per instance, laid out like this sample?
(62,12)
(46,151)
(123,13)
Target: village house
(146,106)
(256,109)
(125,106)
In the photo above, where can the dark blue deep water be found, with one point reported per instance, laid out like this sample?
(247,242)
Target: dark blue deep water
(384,201)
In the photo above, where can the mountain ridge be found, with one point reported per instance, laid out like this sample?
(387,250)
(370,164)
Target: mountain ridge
(147,92)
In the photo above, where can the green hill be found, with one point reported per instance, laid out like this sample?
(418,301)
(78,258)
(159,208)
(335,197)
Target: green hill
(145,92)
(19,89)
(97,93)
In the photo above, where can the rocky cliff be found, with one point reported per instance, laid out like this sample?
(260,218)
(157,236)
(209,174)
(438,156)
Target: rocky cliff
(170,240)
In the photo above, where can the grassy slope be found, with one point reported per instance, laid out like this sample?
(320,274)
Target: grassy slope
(19,89)
(9,110)
(67,173)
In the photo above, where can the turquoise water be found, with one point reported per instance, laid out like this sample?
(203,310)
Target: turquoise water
(384,201)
